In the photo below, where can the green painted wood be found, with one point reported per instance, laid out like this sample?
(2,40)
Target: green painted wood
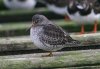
(25,15)
(59,60)
(19,28)
(25,43)
(82,67)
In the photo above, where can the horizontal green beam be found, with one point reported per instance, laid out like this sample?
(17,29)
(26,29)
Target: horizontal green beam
(22,25)
(82,67)
(59,60)
(19,12)
(19,28)
(24,43)
(13,29)
(25,15)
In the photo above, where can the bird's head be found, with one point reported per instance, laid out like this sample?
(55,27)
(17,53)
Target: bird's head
(82,5)
(72,4)
(38,19)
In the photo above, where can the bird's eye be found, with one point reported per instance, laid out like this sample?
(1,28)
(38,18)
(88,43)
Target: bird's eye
(36,21)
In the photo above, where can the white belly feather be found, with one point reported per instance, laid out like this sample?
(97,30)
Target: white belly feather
(84,19)
(35,39)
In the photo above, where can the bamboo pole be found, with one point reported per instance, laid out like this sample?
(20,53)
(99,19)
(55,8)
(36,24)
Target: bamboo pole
(25,43)
(59,60)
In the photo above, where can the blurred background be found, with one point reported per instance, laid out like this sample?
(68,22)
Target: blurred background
(16,15)
(15,20)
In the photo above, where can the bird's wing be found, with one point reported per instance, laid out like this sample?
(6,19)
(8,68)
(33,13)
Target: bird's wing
(54,35)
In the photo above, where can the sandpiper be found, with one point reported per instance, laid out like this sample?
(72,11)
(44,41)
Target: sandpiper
(48,36)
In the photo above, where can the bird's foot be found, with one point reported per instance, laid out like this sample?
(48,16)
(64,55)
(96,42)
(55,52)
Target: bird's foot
(95,27)
(82,29)
(67,18)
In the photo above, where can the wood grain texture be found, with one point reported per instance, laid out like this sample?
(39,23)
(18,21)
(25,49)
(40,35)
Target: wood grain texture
(25,43)
(81,58)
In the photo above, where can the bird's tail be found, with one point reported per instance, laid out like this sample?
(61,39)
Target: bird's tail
(76,42)
(73,43)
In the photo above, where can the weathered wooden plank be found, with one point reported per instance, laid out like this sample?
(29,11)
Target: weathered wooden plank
(24,42)
(25,25)
(17,43)
(17,16)
(19,28)
(82,67)
(59,60)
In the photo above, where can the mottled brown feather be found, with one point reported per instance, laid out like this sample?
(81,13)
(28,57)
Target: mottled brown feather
(53,35)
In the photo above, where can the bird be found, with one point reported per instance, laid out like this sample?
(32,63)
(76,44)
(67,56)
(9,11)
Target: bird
(84,12)
(57,6)
(20,4)
(47,36)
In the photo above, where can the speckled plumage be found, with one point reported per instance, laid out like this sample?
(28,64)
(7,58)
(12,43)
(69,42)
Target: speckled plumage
(48,36)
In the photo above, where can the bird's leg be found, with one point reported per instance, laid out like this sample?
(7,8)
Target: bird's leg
(49,55)
(95,27)
(67,18)
(82,29)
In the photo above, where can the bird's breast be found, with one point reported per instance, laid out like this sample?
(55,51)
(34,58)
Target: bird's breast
(90,18)
(34,32)
(34,35)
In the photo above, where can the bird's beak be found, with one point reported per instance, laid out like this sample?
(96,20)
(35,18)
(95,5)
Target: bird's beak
(30,26)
